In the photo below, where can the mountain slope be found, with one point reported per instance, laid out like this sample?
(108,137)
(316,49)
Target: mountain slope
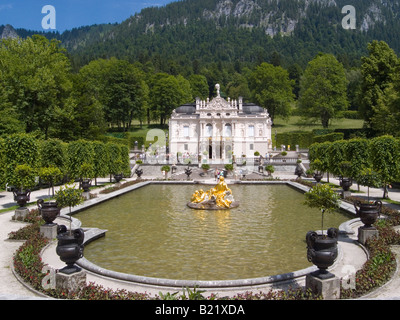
(227,31)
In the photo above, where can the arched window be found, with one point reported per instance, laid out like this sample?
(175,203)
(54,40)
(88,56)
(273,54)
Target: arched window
(228,130)
(209,130)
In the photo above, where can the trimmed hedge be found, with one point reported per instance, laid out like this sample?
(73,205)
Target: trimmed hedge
(335,136)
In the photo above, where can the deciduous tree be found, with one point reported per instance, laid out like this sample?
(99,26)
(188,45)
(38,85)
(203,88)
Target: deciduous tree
(323,91)
(272,89)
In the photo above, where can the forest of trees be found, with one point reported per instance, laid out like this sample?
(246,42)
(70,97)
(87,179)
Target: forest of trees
(81,83)
(41,94)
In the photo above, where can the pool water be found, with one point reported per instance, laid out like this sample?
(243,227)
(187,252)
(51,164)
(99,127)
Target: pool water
(152,232)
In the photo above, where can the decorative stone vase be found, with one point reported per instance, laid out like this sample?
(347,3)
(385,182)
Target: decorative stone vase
(118,177)
(368,212)
(188,172)
(346,183)
(70,248)
(86,184)
(22,197)
(139,172)
(322,251)
(299,171)
(48,210)
(317,177)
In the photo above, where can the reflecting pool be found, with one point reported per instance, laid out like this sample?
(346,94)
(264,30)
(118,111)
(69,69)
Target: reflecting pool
(152,232)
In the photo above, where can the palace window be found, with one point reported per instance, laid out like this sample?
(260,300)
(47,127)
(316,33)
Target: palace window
(186,131)
(228,130)
(250,131)
(209,130)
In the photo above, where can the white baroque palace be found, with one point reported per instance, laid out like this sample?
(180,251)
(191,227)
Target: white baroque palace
(219,130)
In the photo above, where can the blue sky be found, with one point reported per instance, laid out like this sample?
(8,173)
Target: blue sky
(71,13)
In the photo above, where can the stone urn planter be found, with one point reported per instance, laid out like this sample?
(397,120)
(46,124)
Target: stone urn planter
(368,212)
(318,177)
(48,210)
(22,197)
(299,171)
(322,251)
(118,177)
(70,248)
(86,184)
(346,183)
(188,172)
(139,172)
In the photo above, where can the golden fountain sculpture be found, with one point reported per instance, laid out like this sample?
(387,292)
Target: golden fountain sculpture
(217,198)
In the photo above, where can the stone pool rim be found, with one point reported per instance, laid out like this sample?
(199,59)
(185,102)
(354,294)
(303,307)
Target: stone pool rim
(91,234)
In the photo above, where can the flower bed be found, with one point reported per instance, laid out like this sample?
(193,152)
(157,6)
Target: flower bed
(382,262)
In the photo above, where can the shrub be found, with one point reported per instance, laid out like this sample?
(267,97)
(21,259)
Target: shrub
(229,167)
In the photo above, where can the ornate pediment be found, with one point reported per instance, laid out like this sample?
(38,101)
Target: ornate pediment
(218,103)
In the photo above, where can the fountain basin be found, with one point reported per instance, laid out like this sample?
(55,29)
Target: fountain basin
(245,259)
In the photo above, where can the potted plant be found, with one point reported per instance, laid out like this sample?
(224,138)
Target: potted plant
(228,167)
(70,242)
(369,211)
(25,179)
(345,172)
(139,172)
(69,196)
(165,169)
(188,172)
(318,174)
(298,171)
(86,173)
(270,169)
(322,248)
(50,175)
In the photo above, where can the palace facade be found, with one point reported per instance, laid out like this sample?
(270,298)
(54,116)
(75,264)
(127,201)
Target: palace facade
(218,130)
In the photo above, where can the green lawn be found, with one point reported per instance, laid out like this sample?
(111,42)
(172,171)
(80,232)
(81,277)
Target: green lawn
(295,123)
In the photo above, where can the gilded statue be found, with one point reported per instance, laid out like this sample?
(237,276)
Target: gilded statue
(219,197)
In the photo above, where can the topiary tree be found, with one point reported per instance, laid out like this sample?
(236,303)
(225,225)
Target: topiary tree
(24,177)
(78,153)
(52,154)
(384,153)
(370,178)
(270,169)
(19,149)
(69,196)
(50,175)
(356,152)
(320,151)
(114,153)
(2,164)
(166,169)
(101,160)
(336,154)
(125,161)
(323,197)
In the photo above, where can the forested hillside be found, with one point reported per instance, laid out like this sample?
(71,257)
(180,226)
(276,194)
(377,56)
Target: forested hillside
(288,56)
(188,33)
